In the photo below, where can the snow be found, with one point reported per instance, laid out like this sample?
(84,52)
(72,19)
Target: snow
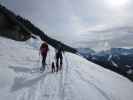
(79,79)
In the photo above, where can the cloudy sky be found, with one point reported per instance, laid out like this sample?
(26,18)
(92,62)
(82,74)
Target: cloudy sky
(89,23)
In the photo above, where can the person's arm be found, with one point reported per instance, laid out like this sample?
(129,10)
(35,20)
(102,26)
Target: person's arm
(63,51)
(48,48)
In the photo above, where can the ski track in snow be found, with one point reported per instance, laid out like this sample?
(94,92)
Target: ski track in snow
(74,82)
(89,83)
(95,86)
(34,92)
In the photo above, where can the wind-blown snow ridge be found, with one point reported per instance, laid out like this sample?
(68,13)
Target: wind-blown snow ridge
(79,79)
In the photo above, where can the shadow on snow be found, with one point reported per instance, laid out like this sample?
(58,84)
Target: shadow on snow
(23,69)
(21,82)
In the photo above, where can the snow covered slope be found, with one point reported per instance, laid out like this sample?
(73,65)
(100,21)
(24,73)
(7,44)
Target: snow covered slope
(79,80)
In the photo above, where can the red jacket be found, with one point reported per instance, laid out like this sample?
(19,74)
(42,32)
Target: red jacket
(44,49)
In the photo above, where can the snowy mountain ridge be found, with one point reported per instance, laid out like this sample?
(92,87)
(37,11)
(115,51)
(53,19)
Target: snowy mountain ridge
(79,80)
(119,60)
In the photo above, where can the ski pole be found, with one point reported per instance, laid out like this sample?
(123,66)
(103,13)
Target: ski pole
(48,61)
(38,62)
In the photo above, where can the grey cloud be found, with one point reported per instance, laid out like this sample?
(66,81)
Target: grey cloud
(71,20)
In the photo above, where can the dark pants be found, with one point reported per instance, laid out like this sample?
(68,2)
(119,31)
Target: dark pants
(43,62)
(53,67)
(59,57)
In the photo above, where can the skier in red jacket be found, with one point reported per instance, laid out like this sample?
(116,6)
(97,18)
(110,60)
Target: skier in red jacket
(43,51)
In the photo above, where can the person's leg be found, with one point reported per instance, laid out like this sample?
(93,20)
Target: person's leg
(57,65)
(43,62)
(61,62)
(52,69)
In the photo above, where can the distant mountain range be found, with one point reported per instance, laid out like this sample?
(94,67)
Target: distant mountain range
(119,60)
(86,52)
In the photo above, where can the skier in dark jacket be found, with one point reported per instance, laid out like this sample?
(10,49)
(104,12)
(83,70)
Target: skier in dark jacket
(59,56)
(43,51)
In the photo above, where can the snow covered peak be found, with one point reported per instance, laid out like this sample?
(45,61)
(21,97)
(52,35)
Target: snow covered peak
(79,80)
